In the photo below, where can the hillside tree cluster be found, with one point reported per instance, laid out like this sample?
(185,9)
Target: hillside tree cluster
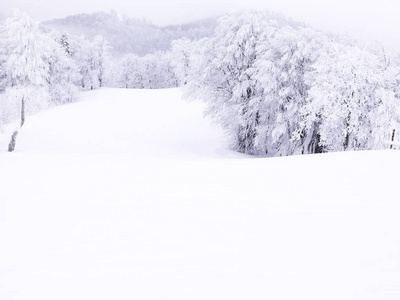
(279,88)
(41,68)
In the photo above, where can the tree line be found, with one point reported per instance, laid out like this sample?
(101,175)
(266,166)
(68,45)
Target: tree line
(281,89)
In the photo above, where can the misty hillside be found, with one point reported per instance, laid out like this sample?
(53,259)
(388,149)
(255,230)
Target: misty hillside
(129,35)
(140,36)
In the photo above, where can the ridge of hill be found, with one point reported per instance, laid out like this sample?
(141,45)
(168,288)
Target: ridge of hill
(129,35)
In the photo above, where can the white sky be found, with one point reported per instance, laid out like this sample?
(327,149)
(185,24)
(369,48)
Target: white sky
(372,19)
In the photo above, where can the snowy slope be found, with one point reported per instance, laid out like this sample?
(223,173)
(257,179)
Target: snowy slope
(131,194)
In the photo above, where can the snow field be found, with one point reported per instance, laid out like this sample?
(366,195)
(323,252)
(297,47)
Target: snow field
(133,195)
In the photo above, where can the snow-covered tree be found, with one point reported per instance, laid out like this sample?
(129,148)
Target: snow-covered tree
(26,67)
(130,75)
(251,74)
(281,90)
(83,55)
(3,59)
(101,59)
(153,71)
(281,66)
(63,73)
(180,59)
(350,98)
(64,41)
(93,60)
(224,77)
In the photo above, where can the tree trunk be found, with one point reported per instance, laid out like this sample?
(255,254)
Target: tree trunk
(22,111)
(391,145)
(347,136)
(11,145)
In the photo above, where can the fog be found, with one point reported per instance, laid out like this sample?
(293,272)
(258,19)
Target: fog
(368,19)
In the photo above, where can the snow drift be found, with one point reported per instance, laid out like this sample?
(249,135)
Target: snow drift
(131,194)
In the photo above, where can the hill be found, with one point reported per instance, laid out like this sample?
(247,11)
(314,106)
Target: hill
(131,194)
(129,35)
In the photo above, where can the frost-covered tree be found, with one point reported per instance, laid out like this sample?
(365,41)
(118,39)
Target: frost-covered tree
(279,89)
(386,113)
(64,41)
(3,59)
(180,59)
(129,74)
(93,60)
(350,98)
(281,66)
(63,73)
(101,59)
(84,57)
(159,64)
(223,77)
(36,70)
(251,76)
(26,67)
(153,71)
(170,78)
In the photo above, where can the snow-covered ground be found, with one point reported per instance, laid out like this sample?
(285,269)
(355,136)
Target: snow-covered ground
(131,194)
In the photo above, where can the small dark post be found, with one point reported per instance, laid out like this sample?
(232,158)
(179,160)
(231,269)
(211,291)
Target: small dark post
(391,145)
(11,145)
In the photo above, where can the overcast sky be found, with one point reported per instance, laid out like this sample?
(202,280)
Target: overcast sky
(372,19)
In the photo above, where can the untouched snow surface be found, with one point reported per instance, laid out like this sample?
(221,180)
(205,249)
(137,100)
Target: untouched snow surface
(131,194)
